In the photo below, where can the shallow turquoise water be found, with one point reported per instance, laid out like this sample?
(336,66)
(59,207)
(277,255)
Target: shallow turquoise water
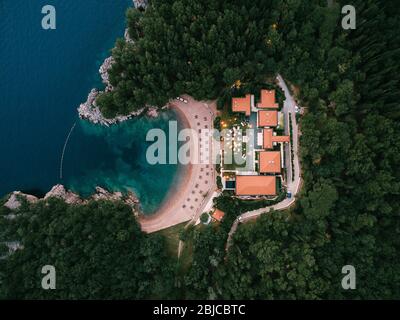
(115,158)
(44,76)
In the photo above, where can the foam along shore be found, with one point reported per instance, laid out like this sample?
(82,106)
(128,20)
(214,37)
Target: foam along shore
(90,111)
(69,197)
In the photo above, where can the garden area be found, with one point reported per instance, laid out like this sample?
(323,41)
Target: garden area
(235,142)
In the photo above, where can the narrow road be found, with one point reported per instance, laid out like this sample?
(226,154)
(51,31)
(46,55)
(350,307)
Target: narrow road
(292,186)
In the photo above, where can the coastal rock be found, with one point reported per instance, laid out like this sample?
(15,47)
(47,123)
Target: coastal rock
(104,69)
(58,191)
(89,110)
(152,112)
(14,203)
(130,198)
(103,194)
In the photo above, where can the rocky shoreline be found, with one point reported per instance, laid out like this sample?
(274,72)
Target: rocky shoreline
(90,111)
(69,197)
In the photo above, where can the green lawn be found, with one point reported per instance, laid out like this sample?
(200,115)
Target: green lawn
(172,238)
(186,257)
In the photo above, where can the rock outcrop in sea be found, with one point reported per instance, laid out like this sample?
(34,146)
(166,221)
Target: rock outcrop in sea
(69,197)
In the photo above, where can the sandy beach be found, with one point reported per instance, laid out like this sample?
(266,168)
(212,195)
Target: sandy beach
(196,183)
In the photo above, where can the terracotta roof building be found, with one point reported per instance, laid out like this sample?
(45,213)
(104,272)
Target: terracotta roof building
(242,104)
(270,162)
(267,100)
(267,118)
(255,185)
(269,139)
(218,215)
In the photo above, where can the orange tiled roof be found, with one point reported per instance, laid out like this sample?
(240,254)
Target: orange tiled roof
(267,118)
(269,138)
(255,185)
(242,104)
(218,215)
(270,162)
(280,138)
(268,100)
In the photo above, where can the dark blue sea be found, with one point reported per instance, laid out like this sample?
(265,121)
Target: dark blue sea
(44,76)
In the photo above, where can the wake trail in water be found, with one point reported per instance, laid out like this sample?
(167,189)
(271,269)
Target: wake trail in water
(63,152)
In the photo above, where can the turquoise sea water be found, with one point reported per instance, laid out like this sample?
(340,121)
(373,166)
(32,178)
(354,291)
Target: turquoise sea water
(44,76)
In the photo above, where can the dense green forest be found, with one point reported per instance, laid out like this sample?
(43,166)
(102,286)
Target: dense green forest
(194,47)
(348,211)
(98,250)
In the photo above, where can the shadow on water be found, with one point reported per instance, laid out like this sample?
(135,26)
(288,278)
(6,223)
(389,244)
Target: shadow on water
(35,192)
